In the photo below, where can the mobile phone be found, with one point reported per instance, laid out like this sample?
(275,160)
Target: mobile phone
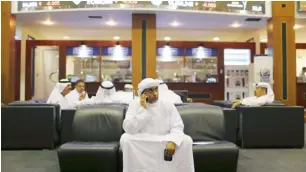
(167,157)
(147,100)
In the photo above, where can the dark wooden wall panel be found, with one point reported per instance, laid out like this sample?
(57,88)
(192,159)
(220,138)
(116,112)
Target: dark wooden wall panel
(17,68)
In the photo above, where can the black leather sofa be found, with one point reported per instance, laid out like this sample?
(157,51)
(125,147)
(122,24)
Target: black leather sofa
(28,127)
(67,116)
(270,126)
(96,135)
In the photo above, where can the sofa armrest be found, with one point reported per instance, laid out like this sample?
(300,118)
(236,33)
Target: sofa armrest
(67,116)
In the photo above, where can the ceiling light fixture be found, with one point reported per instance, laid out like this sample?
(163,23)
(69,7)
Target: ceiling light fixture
(48,22)
(111,23)
(175,24)
(296,26)
(167,38)
(66,37)
(235,25)
(116,37)
(216,38)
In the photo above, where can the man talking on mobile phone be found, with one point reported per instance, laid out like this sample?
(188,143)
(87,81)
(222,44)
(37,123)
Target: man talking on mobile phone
(154,138)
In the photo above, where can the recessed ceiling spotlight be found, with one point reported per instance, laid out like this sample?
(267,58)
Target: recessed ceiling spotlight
(111,23)
(116,38)
(167,38)
(48,22)
(296,26)
(216,38)
(66,37)
(235,25)
(175,24)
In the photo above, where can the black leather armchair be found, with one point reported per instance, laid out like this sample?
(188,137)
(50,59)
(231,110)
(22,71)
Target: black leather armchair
(96,135)
(271,127)
(30,103)
(205,123)
(28,127)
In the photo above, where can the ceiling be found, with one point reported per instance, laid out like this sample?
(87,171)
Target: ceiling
(77,25)
(124,18)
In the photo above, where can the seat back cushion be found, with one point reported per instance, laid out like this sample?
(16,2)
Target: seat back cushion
(98,124)
(202,122)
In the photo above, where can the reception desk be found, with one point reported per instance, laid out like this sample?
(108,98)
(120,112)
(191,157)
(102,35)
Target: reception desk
(301,94)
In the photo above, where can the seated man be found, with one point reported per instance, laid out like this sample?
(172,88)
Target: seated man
(105,92)
(168,95)
(154,140)
(263,95)
(58,94)
(79,93)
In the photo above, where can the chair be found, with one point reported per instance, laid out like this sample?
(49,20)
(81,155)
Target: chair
(95,140)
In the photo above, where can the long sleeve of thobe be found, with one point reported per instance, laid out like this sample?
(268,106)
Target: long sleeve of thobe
(61,100)
(176,127)
(254,101)
(136,118)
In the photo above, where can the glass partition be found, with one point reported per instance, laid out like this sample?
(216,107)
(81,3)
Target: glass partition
(201,65)
(300,64)
(83,63)
(116,63)
(169,64)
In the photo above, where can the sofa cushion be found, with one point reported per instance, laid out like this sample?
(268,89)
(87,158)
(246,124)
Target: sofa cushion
(86,157)
(98,124)
(202,122)
(215,156)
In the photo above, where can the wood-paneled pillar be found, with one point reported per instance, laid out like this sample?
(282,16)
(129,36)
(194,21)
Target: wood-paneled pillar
(143,47)
(8,67)
(281,44)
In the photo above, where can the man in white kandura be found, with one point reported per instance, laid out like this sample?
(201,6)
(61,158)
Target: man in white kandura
(105,92)
(78,94)
(154,140)
(59,92)
(263,95)
(168,95)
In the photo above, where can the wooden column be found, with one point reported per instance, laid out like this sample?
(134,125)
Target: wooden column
(143,47)
(281,44)
(8,67)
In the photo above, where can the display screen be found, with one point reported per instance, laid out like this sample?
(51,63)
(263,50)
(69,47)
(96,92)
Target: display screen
(245,7)
(301,6)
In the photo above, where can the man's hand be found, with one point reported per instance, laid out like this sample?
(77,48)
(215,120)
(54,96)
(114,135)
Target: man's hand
(143,101)
(170,147)
(189,100)
(236,103)
(65,91)
(82,96)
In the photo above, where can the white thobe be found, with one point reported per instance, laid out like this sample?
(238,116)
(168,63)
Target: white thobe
(73,99)
(168,95)
(255,101)
(147,133)
(58,98)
